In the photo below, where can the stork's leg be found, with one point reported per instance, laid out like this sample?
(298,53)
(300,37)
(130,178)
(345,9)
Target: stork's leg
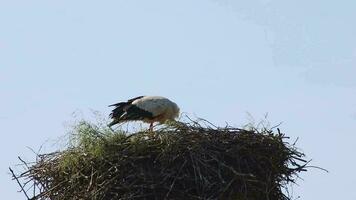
(151,126)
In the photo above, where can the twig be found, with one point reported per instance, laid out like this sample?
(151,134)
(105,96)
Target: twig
(175,178)
(18,182)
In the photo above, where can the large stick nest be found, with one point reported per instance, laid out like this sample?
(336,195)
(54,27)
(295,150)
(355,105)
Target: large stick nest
(178,161)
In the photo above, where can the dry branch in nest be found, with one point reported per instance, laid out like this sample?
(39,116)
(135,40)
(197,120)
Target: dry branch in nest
(178,161)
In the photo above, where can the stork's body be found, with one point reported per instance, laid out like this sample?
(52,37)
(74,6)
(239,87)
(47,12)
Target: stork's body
(148,109)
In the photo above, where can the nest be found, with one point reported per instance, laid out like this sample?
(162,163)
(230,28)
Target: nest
(178,161)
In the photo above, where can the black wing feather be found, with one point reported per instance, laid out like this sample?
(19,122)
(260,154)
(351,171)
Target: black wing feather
(124,111)
(135,113)
(127,102)
(121,107)
(133,99)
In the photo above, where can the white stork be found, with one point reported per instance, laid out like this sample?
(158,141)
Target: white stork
(148,109)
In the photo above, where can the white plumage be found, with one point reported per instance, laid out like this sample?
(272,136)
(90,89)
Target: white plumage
(149,109)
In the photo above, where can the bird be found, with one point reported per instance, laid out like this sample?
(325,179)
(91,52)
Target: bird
(148,109)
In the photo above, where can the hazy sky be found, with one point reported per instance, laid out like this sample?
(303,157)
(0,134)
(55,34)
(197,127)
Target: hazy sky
(218,59)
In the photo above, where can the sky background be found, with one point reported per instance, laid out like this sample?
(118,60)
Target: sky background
(218,59)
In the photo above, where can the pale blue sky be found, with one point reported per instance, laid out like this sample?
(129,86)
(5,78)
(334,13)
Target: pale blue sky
(218,59)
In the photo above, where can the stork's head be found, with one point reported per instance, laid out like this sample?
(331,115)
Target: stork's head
(175,111)
(171,112)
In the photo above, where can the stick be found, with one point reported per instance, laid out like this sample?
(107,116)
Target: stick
(18,182)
